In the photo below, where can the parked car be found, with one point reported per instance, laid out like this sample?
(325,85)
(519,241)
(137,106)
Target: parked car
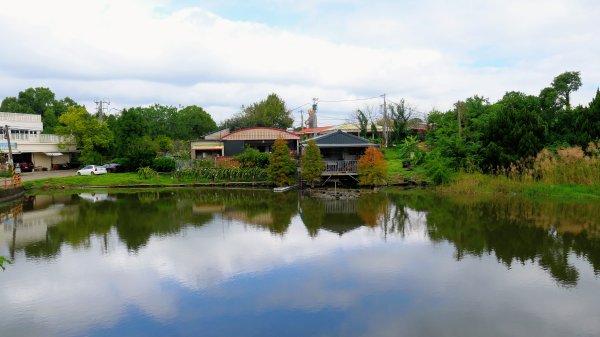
(91,170)
(25,166)
(113,167)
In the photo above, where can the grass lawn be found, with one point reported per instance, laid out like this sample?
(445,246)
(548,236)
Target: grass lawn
(396,171)
(111,179)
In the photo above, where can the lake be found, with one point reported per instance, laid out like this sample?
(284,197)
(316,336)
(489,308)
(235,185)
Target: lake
(255,263)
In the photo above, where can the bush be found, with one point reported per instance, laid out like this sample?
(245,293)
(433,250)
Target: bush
(164,164)
(146,172)
(438,168)
(199,163)
(253,158)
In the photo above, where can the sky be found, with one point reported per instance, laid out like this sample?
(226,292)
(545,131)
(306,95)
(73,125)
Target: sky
(221,55)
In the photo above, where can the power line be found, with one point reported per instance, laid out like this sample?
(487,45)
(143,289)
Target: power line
(301,106)
(349,100)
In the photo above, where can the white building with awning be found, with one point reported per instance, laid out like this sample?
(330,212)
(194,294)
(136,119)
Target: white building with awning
(29,145)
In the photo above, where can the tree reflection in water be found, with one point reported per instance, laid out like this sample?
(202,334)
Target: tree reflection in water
(513,230)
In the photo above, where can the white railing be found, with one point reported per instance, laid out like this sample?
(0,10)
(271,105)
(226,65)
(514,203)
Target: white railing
(41,138)
(19,117)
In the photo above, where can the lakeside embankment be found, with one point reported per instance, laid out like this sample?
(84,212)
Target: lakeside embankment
(476,184)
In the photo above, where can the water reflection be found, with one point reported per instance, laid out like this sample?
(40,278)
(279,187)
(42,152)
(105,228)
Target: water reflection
(517,231)
(513,230)
(191,260)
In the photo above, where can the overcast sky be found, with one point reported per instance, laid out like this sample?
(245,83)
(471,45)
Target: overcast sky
(223,54)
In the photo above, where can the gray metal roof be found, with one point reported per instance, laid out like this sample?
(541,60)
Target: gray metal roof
(340,138)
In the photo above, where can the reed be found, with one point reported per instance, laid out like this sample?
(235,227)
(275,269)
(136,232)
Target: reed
(569,165)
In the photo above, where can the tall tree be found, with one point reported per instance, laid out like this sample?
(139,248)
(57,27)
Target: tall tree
(565,84)
(91,137)
(282,169)
(40,101)
(191,122)
(363,122)
(400,115)
(515,131)
(312,163)
(270,112)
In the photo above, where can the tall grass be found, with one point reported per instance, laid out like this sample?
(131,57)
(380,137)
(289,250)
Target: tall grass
(562,172)
(569,166)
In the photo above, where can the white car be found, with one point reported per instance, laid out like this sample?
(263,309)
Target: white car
(91,170)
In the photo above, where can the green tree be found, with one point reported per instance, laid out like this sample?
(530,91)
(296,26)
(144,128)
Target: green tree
(515,131)
(282,169)
(91,137)
(270,112)
(40,101)
(565,84)
(400,115)
(140,152)
(363,122)
(312,163)
(191,122)
(372,170)
(131,125)
(164,144)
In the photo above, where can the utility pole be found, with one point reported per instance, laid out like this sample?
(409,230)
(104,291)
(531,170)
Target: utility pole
(460,106)
(385,131)
(314,106)
(10,155)
(301,119)
(101,107)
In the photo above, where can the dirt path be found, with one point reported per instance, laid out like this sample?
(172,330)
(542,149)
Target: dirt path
(47,174)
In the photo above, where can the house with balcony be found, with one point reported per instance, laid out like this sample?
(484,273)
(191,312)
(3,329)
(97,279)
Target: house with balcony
(340,151)
(30,148)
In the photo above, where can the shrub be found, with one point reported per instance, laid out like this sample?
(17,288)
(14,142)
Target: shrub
(438,168)
(198,163)
(410,152)
(164,164)
(146,172)
(253,158)
(372,170)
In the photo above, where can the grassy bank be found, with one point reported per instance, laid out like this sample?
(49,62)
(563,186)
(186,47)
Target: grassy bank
(118,179)
(482,184)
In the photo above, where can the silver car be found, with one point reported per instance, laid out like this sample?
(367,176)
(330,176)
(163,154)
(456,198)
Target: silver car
(91,170)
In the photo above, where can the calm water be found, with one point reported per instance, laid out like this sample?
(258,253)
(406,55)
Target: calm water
(255,263)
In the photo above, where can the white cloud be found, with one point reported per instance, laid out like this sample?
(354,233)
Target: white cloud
(432,54)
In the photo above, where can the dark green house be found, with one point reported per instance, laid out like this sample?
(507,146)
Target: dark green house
(340,151)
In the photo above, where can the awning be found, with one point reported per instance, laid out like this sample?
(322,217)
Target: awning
(53,154)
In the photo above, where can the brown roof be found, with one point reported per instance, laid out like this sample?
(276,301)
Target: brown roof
(260,133)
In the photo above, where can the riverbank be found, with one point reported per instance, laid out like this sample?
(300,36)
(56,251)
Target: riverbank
(463,184)
(482,185)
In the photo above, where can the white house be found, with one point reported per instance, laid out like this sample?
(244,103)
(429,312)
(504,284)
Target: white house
(29,145)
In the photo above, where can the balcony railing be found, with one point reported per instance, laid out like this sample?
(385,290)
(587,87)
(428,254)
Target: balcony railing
(35,138)
(340,166)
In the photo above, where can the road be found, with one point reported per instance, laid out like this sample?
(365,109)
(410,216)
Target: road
(47,174)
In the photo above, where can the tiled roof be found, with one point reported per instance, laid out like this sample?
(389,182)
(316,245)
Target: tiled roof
(260,133)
